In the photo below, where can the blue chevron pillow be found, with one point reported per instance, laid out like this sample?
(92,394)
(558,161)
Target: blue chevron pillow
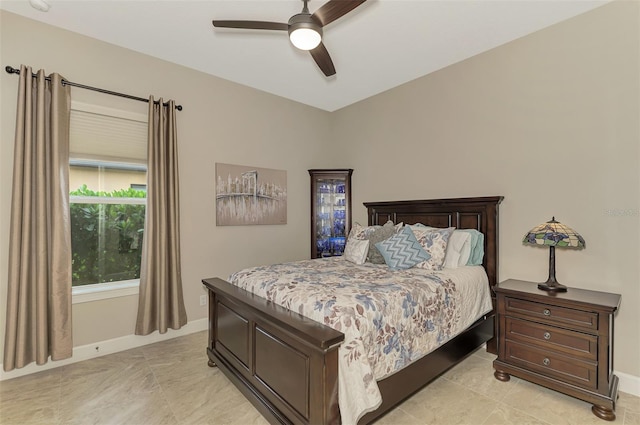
(402,250)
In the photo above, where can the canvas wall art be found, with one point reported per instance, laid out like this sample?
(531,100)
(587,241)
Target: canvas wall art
(250,195)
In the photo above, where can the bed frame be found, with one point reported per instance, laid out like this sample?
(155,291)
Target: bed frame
(286,365)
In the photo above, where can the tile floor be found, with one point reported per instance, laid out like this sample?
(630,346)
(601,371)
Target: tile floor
(170,383)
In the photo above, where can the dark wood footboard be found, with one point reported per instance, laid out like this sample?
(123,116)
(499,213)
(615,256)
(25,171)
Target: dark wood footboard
(286,365)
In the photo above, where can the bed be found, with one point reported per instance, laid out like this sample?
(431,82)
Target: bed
(286,364)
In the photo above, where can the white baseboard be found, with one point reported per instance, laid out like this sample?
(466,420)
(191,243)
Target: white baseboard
(102,348)
(629,384)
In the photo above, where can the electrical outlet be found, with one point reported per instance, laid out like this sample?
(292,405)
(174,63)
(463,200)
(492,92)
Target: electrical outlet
(203,300)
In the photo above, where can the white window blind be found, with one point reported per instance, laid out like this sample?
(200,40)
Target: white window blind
(107,134)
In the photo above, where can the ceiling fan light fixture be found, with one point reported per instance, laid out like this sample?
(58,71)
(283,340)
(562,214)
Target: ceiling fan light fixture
(304,32)
(305,38)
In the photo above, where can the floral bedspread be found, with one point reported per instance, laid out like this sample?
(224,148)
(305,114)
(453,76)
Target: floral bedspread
(389,317)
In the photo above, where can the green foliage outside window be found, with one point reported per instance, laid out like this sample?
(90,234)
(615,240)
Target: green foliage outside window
(106,238)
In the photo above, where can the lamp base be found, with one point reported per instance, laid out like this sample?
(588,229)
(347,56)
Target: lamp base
(552,287)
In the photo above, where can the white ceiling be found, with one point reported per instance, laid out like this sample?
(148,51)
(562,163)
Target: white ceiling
(378,46)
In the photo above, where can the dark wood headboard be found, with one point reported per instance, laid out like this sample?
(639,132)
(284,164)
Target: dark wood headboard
(463,213)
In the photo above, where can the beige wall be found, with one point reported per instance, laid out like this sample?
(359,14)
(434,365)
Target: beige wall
(104,180)
(221,122)
(549,121)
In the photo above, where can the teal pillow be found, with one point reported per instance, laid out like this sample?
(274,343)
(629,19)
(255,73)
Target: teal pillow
(402,250)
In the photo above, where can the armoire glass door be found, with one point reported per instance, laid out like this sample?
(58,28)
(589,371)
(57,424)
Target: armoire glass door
(330,211)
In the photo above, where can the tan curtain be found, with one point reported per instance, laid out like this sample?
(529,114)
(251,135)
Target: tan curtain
(161,304)
(38,321)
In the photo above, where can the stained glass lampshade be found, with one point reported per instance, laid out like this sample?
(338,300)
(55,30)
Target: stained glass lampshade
(553,234)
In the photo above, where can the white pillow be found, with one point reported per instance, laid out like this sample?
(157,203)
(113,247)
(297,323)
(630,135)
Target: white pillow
(356,250)
(458,250)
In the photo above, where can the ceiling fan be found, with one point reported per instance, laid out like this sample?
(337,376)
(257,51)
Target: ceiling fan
(305,29)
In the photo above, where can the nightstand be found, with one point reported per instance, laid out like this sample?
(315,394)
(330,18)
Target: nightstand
(560,340)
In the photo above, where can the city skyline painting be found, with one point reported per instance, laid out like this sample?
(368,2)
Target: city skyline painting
(248,195)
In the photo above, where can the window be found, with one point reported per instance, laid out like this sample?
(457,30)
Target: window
(107,182)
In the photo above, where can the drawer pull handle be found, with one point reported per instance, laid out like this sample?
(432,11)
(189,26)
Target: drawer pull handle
(546,312)
(547,336)
(546,361)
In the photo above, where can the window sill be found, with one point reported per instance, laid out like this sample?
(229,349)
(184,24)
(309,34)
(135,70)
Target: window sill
(103,291)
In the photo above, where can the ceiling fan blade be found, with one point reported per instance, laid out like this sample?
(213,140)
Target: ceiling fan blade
(322,58)
(334,9)
(252,25)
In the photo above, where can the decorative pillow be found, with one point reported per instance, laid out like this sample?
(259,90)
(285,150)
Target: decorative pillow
(356,250)
(378,235)
(434,242)
(458,247)
(402,250)
(358,231)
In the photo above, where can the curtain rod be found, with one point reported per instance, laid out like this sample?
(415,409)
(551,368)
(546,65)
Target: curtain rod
(12,70)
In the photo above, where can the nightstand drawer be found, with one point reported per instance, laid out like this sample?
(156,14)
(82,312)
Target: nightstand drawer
(554,365)
(552,314)
(572,343)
